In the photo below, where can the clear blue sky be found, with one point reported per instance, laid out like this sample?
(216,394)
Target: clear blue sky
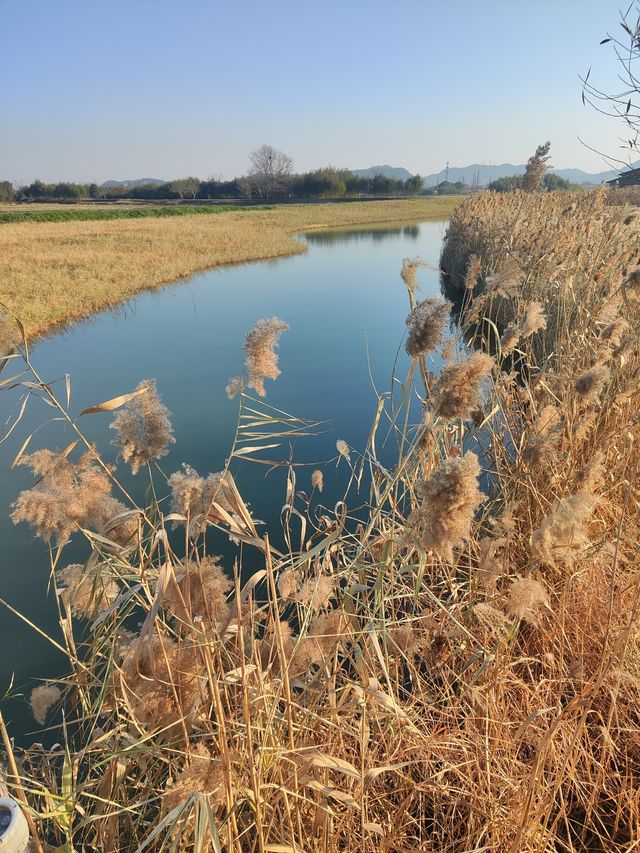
(98,89)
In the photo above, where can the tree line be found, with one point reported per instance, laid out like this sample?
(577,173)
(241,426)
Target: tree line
(271,178)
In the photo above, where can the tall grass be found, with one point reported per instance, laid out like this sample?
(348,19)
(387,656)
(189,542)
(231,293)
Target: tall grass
(457,670)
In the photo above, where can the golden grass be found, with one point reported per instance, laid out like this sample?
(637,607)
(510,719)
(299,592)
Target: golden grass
(429,678)
(51,273)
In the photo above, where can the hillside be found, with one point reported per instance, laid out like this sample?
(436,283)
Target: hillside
(136,182)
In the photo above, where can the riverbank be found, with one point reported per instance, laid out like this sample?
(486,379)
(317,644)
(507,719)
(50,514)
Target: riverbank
(52,273)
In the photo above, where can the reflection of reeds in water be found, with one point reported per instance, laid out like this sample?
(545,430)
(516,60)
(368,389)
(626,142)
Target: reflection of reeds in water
(453,671)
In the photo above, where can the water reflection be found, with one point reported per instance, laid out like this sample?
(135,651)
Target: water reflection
(354,235)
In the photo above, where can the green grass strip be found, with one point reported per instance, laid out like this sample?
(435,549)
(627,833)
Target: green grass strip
(74,215)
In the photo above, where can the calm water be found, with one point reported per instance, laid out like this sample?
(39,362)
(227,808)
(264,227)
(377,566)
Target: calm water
(346,306)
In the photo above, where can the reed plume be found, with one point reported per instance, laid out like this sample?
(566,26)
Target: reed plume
(42,699)
(261,360)
(203,774)
(193,496)
(143,428)
(316,592)
(457,391)
(317,480)
(509,339)
(473,273)
(534,321)
(343,449)
(527,597)
(448,500)
(235,386)
(87,591)
(562,536)
(197,594)
(409,273)
(69,496)
(426,326)
(160,681)
(590,384)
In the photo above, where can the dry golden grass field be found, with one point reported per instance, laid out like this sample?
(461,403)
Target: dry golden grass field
(51,273)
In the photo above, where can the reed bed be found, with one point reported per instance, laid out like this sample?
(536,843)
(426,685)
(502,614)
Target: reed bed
(456,670)
(54,272)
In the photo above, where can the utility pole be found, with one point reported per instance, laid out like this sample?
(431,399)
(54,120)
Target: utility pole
(447,172)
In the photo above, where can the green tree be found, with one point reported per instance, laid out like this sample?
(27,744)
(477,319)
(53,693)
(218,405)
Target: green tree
(7,192)
(555,182)
(506,184)
(414,185)
(532,180)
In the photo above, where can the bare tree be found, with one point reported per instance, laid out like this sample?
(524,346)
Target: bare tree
(270,169)
(536,167)
(622,103)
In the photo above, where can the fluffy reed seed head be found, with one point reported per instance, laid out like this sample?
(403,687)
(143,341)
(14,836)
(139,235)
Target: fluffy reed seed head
(591,476)
(317,480)
(457,391)
(505,281)
(42,699)
(589,385)
(614,332)
(143,427)
(261,360)
(562,535)
(160,680)
(235,386)
(534,321)
(87,591)
(197,595)
(316,593)
(193,495)
(204,774)
(448,500)
(473,273)
(509,339)
(426,326)
(70,495)
(527,597)
(343,449)
(409,273)
(289,584)
(326,633)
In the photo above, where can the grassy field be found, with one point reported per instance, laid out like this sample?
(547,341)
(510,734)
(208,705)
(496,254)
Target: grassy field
(51,273)
(73,213)
(458,671)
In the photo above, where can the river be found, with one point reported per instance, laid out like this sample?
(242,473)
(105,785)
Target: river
(345,304)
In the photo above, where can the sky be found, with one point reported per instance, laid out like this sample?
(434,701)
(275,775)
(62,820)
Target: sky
(92,90)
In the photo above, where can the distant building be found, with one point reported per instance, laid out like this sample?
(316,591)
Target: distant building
(629,178)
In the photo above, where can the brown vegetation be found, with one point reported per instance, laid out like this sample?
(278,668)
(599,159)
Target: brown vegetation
(457,671)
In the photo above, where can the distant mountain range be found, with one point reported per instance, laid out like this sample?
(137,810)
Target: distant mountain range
(395,172)
(484,174)
(137,182)
(476,172)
